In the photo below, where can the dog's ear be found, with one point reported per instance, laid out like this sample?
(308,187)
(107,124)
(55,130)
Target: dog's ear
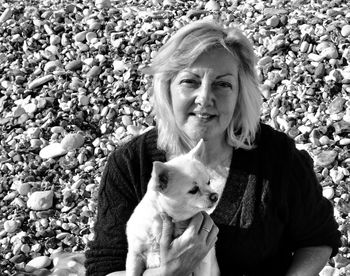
(160,175)
(198,151)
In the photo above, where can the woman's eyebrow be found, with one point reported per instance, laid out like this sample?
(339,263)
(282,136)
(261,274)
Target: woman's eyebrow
(225,75)
(189,72)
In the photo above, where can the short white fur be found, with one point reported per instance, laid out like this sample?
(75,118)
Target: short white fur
(168,191)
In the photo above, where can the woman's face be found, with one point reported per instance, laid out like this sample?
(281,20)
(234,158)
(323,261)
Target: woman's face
(204,95)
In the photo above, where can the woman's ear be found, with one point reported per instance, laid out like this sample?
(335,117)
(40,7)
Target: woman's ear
(198,151)
(160,176)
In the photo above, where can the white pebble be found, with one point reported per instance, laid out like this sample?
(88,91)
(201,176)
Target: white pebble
(328,192)
(37,263)
(51,151)
(11,226)
(72,141)
(40,200)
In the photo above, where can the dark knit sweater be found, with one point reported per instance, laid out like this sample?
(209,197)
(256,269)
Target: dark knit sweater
(272,204)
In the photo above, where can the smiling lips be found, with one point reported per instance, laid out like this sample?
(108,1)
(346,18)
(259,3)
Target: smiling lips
(203,115)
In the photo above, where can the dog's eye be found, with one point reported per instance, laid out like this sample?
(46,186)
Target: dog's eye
(194,190)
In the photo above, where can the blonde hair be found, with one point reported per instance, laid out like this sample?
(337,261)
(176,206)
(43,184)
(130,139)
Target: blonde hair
(180,52)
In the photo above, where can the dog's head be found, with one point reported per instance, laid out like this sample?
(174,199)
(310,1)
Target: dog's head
(183,184)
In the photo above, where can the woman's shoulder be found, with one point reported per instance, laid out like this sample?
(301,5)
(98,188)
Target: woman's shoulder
(270,136)
(140,145)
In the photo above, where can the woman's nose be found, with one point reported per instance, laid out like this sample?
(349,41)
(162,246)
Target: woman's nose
(204,96)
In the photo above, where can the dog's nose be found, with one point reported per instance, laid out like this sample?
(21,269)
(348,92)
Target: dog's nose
(213,197)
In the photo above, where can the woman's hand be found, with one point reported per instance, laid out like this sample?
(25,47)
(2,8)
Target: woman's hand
(183,254)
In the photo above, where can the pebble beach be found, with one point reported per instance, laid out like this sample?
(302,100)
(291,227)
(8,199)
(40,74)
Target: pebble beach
(72,91)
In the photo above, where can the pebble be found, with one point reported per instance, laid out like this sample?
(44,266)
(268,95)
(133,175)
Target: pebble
(273,21)
(325,158)
(74,65)
(212,5)
(24,188)
(345,31)
(80,37)
(6,15)
(52,150)
(119,65)
(329,271)
(11,226)
(37,263)
(40,200)
(103,4)
(94,72)
(72,141)
(336,106)
(40,81)
(52,65)
(329,53)
(328,192)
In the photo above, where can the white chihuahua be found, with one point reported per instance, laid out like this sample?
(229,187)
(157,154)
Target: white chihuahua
(180,188)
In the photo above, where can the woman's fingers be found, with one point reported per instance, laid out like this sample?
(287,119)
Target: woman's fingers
(167,232)
(213,236)
(207,224)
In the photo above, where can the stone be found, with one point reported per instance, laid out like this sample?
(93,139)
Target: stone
(344,141)
(212,5)
(329,271)
(320,71)
(345,31)
(341,127)
(83,100)
(6,15)
(76,83)
(72,141)
(57,129)
(52,65)
(74,65)
(80,37)
(325,158)
(103,4)
(273,21)
(340,261)
(30,108)
(264,61)
(37,263)
(24,188)
(328,192)
(336,106)
(119,65)
(40,81)
(94,72)
(304,46)
(40,200)
(329,53)
(52,150)
(11,226)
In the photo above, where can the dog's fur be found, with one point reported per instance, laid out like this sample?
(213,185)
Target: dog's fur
(181,188)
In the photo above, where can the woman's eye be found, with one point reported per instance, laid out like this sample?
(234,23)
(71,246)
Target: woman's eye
(224,84)
(189,82)
(194,190)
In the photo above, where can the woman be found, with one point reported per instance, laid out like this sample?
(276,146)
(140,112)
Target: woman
(272,218)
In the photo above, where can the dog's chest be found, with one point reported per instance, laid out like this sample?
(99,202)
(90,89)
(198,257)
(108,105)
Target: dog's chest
(152,255)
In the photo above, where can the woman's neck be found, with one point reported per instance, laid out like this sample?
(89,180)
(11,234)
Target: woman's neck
(217,153)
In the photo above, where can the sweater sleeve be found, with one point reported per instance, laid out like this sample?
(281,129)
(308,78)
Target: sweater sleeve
(311,219)
(116,201)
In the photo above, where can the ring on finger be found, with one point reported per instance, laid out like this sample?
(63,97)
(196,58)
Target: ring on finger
(206,229)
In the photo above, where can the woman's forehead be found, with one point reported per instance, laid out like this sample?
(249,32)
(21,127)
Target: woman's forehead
(218,61)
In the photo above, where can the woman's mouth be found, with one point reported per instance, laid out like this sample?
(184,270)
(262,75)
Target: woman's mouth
(203,116)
